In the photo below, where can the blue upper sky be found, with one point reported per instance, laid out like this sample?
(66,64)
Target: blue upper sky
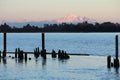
(37,10)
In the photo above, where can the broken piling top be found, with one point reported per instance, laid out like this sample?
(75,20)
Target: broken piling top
(43,41)
(116,46)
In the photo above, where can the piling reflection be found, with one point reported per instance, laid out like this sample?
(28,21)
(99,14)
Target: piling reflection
(36,61)
(63,61)
(43,63)
(20,61)
(4,61)
(16,60)
(117,70)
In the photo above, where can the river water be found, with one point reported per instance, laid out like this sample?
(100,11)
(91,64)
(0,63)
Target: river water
(76,68)
(86,43)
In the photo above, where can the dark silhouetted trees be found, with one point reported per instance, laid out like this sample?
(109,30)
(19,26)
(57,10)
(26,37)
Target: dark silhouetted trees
(64,27)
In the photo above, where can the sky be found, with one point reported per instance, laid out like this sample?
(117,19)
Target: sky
(38,10)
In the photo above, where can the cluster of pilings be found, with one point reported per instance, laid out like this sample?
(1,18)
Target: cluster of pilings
(115,62)
(38,53)
(20,54)
(63,55)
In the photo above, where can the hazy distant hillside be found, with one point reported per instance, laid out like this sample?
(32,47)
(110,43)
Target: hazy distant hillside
(19,25)
(66,19)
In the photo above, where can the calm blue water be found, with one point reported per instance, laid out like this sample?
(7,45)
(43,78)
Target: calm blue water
(87,43)
(75,68)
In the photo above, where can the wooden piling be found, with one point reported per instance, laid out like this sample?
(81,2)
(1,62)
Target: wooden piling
(36,52)
(116,63)
(59,53)
(53,54)
(116,45)
(116,60)
(43,41)
(25,56)
(16,53)
(43,52)
(5,47)
(108,61)
(21,53)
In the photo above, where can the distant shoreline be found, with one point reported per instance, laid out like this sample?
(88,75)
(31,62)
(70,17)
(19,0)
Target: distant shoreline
(59,32)
(84,27)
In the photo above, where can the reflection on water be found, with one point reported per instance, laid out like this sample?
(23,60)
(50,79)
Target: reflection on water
(75,68)
(63,61)
(4,61)
(117,70)
(43,63)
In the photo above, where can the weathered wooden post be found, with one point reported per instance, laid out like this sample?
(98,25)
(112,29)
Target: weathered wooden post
(16,53)
(59,53)
(25,56)
(109,61)
(43,52)
(43,41)
(116,44)
(53,54)
(36,52)
(116,60)
(21,52)
(4,51)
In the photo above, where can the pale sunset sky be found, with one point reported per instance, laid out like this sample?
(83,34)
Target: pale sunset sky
(37,10)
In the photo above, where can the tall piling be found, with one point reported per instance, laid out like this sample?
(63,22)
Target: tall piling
(116,46)
(5,46)
(116,60)
(43,41)
(43,52)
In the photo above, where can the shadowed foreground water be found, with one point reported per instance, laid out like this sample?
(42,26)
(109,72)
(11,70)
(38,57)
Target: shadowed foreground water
(75,68)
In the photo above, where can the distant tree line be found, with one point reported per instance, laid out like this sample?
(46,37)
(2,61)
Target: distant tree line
(65,27)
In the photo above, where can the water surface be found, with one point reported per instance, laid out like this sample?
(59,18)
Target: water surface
(86,43)
(75,68)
